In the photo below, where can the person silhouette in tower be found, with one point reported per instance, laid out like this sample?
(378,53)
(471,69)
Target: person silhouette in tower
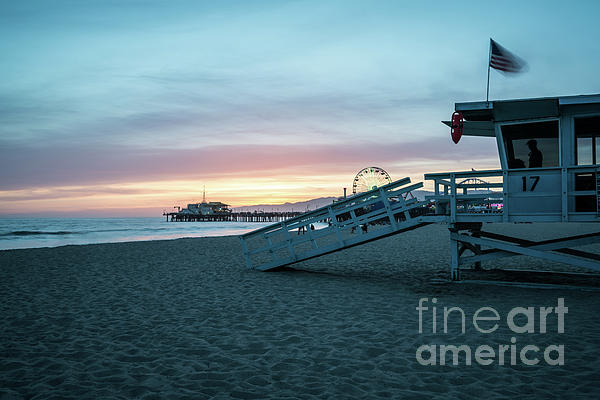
(535,155)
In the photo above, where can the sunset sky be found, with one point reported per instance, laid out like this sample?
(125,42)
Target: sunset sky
(130,107)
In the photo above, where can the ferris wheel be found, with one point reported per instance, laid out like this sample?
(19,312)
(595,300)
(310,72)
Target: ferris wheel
(370,178)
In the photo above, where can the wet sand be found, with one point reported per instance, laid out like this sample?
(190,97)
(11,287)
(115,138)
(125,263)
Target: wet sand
(185,319)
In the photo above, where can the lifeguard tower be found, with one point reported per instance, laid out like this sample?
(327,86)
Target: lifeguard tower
(549,150)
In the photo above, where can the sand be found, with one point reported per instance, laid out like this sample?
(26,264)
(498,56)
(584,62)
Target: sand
(184,319)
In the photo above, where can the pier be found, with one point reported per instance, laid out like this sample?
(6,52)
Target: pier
(231,216)
(215,211)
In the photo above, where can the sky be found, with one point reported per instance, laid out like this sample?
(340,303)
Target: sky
(113,108)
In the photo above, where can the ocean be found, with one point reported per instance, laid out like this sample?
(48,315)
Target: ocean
(22,233)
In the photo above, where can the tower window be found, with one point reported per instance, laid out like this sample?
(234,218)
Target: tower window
(587,140)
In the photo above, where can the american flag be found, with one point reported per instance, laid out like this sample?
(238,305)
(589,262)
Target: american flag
(503,60)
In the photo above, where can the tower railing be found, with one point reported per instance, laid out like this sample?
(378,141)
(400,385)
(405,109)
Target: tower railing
(476,197)
(548,194)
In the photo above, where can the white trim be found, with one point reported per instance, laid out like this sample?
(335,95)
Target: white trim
(500,146)
(562,101)
(527,121)
(581,99)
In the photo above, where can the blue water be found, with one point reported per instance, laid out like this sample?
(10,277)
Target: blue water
(21,233)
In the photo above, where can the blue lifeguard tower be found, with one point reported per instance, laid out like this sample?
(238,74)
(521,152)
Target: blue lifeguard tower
(549,151)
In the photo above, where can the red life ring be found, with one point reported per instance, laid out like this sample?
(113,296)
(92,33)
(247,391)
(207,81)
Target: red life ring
(456,127)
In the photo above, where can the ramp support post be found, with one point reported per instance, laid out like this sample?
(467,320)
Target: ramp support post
(458,246)
(454,267)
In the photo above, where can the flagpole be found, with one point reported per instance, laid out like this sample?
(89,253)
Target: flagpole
(487,94)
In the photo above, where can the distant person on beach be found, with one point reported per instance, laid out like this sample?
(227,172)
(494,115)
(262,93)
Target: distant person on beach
(535,155)
(312,227)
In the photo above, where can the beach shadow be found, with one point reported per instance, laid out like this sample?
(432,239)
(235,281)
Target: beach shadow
(289,269)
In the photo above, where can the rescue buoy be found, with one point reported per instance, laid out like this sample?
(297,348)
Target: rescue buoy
(456,128)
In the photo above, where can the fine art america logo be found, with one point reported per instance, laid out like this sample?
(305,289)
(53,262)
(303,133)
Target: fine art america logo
(487,320)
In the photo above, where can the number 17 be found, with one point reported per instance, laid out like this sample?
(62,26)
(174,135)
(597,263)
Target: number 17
(536,179)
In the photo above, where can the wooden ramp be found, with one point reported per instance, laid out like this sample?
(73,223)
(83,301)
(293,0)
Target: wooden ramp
(381,212)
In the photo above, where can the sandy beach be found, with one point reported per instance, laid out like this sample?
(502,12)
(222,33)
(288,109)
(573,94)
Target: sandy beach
(184,319)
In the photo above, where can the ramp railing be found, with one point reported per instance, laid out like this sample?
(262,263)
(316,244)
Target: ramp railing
(358,219)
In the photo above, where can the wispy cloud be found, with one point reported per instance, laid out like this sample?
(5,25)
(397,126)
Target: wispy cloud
(30,167)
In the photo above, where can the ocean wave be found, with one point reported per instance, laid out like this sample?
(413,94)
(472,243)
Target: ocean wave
(145,229)
(31,233)
(58,233)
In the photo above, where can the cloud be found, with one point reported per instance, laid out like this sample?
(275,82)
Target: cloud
(68,192)
(25,167)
